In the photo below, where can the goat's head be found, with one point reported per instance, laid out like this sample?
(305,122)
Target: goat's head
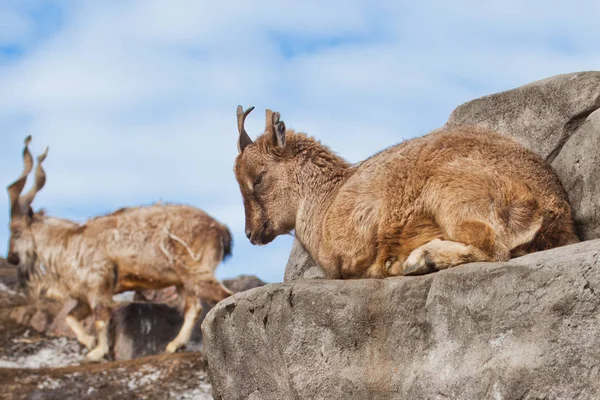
(266,172)
(21,248)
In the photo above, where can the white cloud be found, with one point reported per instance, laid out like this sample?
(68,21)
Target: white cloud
(136,99)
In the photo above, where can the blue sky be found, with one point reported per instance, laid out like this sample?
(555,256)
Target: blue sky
(137,99)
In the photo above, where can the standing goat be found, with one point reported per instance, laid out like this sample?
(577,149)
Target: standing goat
(133,248)
(426,204)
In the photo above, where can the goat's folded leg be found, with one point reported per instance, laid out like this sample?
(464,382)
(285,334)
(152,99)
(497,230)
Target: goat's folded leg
(73,320)
(397,242)
(471,241)
(102,318)
(193,309)
(441,254)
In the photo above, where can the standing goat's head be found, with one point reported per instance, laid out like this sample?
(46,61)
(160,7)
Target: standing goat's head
(21,248)
(265,171)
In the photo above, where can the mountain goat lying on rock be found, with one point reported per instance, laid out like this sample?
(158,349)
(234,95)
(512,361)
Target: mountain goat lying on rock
(426,204)
(133,248)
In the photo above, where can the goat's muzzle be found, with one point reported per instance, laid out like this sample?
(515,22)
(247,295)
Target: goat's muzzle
(266,234)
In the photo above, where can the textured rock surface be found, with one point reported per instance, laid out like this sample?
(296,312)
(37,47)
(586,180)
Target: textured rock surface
(554,117)
(301,265)
(578,166)
(528,328)
(542,115)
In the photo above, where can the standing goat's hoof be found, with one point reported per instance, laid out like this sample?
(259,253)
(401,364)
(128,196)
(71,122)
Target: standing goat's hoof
(88,341)
(419,265)
(94,356)
(173,347)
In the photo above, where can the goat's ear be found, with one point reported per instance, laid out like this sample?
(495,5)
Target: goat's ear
(279,134)
(275,128)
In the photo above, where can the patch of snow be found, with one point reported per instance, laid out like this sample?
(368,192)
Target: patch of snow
(49,383)
(57,352)
(125,296)
(201,393)
(140,379)
(4,288)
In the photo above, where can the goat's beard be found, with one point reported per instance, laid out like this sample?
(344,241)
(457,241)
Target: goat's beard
(26,269)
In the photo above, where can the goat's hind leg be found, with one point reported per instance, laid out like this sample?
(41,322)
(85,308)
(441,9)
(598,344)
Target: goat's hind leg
(102,318)
(397,242)
(471,241)
(193,309)
(73,320)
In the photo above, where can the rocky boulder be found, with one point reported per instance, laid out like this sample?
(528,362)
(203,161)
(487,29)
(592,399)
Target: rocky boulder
(527,328)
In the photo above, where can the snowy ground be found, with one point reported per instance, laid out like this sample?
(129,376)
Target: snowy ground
(40,352)
(33,365)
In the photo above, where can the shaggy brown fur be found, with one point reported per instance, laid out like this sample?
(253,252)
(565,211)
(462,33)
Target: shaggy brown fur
(449,197)
(134,248)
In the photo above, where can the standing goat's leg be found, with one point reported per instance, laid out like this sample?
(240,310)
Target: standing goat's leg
(73,320)
(102,317)
(193,309)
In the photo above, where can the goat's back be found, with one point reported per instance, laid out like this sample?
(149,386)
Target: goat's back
(144,234)
(467,170)
(454,155)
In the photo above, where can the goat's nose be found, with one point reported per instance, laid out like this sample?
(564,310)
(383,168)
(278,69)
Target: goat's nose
(248,233)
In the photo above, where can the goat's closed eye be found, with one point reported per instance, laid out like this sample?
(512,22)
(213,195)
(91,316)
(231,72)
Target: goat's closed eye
(258,179)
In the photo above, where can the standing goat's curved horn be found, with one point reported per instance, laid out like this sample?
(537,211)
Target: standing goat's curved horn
(243,140)
(15,189)
(40,180)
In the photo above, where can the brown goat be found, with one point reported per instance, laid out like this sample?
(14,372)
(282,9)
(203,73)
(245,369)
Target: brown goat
(426,204)
(134,248)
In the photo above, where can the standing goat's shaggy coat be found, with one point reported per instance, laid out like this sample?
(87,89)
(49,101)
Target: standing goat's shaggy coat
(134,248)
(450,197)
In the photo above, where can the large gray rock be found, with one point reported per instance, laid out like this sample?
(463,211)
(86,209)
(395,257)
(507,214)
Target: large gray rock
(528,328)
(578,167)
(555,118)
(542,115)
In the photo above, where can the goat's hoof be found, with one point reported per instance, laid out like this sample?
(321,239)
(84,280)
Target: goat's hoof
(422,266)
(94,356)
(89,342)
(172,347)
